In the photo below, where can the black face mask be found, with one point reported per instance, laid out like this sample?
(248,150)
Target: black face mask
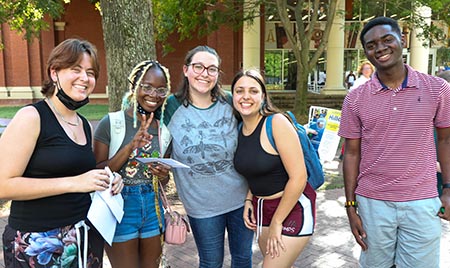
(67,100)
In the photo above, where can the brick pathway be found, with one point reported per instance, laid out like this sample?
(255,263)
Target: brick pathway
(332,245)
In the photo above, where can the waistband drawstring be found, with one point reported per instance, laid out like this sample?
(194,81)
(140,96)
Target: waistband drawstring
(82,262)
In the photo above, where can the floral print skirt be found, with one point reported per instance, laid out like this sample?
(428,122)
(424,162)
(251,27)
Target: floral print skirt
(57,248)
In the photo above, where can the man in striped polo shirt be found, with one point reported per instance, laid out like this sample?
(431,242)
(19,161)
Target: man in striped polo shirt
(390,157)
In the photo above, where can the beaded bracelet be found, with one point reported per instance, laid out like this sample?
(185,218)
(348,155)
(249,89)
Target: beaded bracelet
(351,204)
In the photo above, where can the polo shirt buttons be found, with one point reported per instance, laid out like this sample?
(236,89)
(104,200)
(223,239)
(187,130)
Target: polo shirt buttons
(395,108)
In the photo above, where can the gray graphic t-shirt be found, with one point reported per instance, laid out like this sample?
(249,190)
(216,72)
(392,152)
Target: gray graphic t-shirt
(205,140)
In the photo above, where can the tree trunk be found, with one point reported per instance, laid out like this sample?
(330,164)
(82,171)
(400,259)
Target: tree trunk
(129,39)
(300,107)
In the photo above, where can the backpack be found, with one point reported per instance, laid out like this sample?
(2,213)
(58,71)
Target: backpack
(313,166)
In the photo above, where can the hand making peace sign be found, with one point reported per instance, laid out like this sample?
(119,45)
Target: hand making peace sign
(142,137)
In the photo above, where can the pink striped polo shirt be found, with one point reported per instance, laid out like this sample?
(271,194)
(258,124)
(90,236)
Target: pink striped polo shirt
(398,154)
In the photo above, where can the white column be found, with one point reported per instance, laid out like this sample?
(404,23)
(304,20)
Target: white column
(419,47)
(334,84)
(252,43)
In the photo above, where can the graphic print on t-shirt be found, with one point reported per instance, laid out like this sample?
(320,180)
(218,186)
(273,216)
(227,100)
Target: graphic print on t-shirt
(209,142)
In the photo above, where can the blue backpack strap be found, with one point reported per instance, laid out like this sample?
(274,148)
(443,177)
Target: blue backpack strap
(269,131)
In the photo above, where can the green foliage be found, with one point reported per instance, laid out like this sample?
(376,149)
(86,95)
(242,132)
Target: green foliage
(197,18)
(90,111)
(27,16)
(443,56)
(403,10)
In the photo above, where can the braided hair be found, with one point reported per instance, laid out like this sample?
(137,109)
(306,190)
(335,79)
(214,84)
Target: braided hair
(134,79)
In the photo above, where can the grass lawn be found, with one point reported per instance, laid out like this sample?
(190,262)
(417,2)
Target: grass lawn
(90,111)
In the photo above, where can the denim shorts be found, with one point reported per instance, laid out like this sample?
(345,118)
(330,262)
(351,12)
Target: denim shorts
(140,219)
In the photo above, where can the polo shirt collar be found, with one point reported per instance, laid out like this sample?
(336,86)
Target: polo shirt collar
(410,81)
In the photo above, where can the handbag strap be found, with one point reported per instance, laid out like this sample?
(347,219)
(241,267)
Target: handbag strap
(165,201)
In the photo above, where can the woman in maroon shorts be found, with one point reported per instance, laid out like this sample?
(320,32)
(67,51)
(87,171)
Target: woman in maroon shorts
(280,204)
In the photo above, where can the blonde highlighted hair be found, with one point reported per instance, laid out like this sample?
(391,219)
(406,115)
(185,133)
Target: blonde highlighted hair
(361,66)
(135,79)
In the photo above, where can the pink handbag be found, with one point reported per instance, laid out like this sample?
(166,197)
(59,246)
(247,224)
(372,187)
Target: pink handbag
(177,225)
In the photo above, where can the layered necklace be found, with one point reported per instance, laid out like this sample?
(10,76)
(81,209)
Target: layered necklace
(62,117)
(75,138)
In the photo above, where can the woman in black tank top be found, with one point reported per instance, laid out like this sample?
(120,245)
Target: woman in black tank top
(48,169)
(280,204)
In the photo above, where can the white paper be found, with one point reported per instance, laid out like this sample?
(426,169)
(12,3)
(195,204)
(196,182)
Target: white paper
(102,218)
(114,202)
(167,161)
(106,210)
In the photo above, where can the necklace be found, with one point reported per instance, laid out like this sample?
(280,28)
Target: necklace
(62,117)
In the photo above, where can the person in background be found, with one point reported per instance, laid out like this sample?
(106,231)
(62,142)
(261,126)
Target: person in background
(365,71)
(48,169)
(199,118)
(390,179)
(137,239)
(280,203)
(350,79)
(315,132)
(444,75)
(322,78)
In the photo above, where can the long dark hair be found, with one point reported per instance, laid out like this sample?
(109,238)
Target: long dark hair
(217,92)
(267,107)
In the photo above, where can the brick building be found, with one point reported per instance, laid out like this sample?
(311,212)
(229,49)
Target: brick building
(22,64)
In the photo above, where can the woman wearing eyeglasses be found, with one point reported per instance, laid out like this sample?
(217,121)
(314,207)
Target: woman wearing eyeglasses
(121,137)
(200,120)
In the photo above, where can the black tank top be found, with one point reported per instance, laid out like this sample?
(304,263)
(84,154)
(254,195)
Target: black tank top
(264,172)
(55,155)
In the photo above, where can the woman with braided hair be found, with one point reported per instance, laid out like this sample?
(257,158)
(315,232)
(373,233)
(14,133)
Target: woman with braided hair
(137,239)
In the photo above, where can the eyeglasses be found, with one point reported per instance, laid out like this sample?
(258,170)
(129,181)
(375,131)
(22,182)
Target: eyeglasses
(198,68)
(149,89)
